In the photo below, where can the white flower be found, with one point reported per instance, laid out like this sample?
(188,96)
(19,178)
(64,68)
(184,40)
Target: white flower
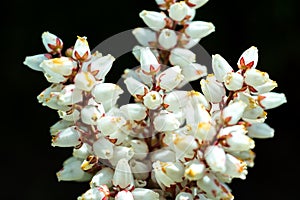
(248,59)
(68,137)
(123,177)
(103,148)
(84,81)
(233,112)
(90,114)
(34,62)
(71,115)
(237,141)
(144,36)
(102,177)
(136,88)
(144,194)
(134,111)
(163,154)
(168,173)
(235,167)
(178,11)
(266,87)
(199,29)
(254,77)
(216,158)
(184,196)
(72,171)
(166,121)
(170,78)
(233,81)
(124,195)
(52,43)
(220,67)
(140,169)
(196,3)
(182,57)
(149,63)
(154,20)
(152,100)
(110,124)
(193,71)
(70,95)
(167,38)
(121,152)
(81,51)
(175,100)
(271,100)
(59,126)
(140,149)
(212,90)
(260,130)
(82,152)
(57,70)
(194,170)
(101,192)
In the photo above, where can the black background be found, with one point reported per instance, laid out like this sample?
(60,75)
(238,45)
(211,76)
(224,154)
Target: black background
(29,162)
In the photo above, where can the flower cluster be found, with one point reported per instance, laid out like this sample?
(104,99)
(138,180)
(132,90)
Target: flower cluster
(167,143)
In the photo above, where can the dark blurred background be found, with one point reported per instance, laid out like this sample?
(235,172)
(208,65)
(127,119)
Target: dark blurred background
(29,162)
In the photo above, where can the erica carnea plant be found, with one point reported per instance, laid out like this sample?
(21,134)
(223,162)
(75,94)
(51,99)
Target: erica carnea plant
(166,143)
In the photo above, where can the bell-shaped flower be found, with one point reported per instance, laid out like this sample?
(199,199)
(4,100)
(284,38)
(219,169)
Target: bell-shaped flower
(186,41)
(99,66)
(134,111)
(213,91)
(110,124)
(84,81)
(266,87)
(260,130)
(215,157)
(247,156)
(167,38)
(182,57)
(149,63)
(163,155)
(152,100)
(248,58)
(140,149)
(196,3)
(81,51)
(124,195)
(59,126)
(166,121)
(154,20)
(102,177)
(168,173)
(233,112)
(178,11)
(175,100)
(33,62)
(184,196)
(194,170)
(57,70)
(144,36)
(196,113)
(123,177)
(70,95)
(220,67)
(235,168)
(144,194)
(233,81)
(82,152)
(213,188)
(103,148)
(90,114)
(49,97)
(136,88)
(68,137)
(193,71)
(170,78)
(199,29)
(203,131)
(72,171)
(52,43)
(71,115)
(121,152)
(254,77)
(191,13)
(101,192)
(140,169)
(271,100)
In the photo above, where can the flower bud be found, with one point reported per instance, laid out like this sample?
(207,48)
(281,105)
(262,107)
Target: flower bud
(81,51)
(233,112)
(136,88)
(175,100)
(193,71)
(170,78)
(220,67)
(102,177)
(154,20)
(110,124)
(144,36)
(152,100)
(233,81)
(52,43)
(194,170)
(271,100)
(82,152)
(166,121)
(196,3)
(70,95)
(167,38)
(84,81)
(140,149)
(34,62)
(68,137)
(248,59)
(266,87)
(57,70)
(237,141)
(90,114)
(182,57)
(184,196)
(254,77)
(235,167)
(134,111)
(178,11)
(149,63)
(140,169)
(216,158)
(103,148)
(199,29)
(145,194)
(212,90)
(260,130)
(123,177)
(59,126)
